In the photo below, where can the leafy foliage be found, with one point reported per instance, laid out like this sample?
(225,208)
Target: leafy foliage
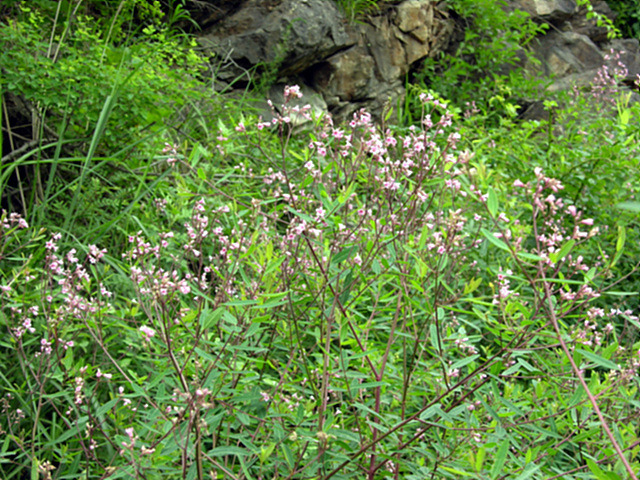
(628,17)
(354,9)
(485,67)
(96,104)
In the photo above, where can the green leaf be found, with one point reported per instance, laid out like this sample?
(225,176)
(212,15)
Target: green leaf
(106,407)
(457,472)
(288,455)
(492,202)
(362,386)
(433,336)
(424,235)
(472,286)
(529,256)
(464,362)
(597,359)
(482,453)
(240,303)
(501,456)
(563,252)
(375,267)
(209,317)
(528,472)
(495,240)
(325,198)
(622,235)
(77,429)
(229,317)
(271,304)
(630,206)
(343,255)
(265,453)
(206,355)
(245,469)
(596,470)
(227,450)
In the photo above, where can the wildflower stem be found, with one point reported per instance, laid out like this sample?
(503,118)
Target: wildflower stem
(592,399)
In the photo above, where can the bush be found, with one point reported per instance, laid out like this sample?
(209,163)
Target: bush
(628,17)
(485,65)
(93,109)
(444,300)
(367,305)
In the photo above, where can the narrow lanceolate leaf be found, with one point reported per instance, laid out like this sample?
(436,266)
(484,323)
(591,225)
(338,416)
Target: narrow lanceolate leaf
(529,256)
(493,239)
(596,470)
(227,450)
(630,206)
(492,202)
(501,456)
(597,359)
(563,252)
(622,236)
(528,472)
(343,255)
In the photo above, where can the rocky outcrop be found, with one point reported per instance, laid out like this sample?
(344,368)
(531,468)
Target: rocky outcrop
(351,66)
(308,41)
(576,45)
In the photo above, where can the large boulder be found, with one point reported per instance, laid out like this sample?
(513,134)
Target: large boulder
(287,36)
(552,11)
(568,53)
(352,66)
(576,47)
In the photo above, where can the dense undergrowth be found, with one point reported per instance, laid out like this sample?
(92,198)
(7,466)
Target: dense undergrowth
(188,291)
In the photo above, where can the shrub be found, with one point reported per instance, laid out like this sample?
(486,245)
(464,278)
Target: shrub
(100,107)
(485,65)
(367,307)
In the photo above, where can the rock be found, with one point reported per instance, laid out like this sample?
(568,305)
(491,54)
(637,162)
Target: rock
(574,50)
(364,65)
(628,51)
(208,12)
(309,97)
(414,17)
(351,66)
(552,11)
(568,53)
(581,23)
(287,36)
(371,74)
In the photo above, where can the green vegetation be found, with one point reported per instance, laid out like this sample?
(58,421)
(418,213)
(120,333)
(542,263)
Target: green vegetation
(486,66)
(189,292)
(628,17)
(355,9)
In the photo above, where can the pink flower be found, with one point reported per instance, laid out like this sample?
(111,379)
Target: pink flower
(147,332)
(292,91)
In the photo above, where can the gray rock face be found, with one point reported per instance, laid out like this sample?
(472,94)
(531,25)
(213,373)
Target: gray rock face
(575,48)
(351,66)
(552,11)
(568,53)
(629,50)
(289,35)
(308,41)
